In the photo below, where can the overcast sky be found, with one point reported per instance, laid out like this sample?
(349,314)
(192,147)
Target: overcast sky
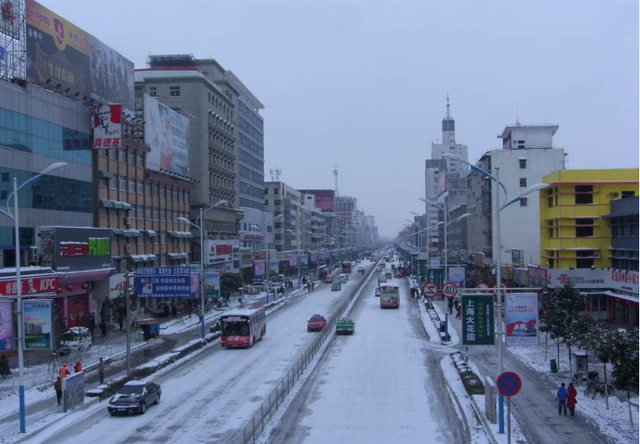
(362,84)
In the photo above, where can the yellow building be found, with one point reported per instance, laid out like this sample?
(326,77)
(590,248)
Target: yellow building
(573,232)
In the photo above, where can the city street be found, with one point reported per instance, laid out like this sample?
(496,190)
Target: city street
(220,388)
(381,385)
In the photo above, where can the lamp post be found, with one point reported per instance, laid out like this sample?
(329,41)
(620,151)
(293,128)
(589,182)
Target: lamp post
(199,225)
(16,228)
(495,214)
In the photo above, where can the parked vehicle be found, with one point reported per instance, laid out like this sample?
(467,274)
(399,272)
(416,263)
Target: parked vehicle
(162,310)
(377,292)
(343,278)
(361,270)
(345,326)
(134,397)
(328,280)
(336,286)
(316,323)
(75,339)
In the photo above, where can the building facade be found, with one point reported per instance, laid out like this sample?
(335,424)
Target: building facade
(623,222)
(280,198)
(575,229)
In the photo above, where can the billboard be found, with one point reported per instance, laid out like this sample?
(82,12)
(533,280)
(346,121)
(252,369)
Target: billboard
(163,282)
(111,75)
(477,320)
(324,199)
(457,276)
(10,19)
(6,326)
(106,121)
(222,251)
(274,268)
(64,57)
(74,248)
(293,261)
(258,270)
(167,133)
(521,314)
(30,285)
(211,284)
(73,391)
(37,324)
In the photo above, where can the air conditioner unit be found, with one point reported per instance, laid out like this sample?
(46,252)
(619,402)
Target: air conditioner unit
(614,194)
(127,249)
(126,221)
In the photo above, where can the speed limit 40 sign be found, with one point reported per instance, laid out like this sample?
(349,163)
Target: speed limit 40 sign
(450,290)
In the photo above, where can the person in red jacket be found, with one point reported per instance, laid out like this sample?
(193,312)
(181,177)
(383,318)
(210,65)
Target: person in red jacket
(78,367)
(571,399)
(64,371)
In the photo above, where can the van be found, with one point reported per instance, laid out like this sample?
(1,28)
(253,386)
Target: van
(75,339)
(343,278)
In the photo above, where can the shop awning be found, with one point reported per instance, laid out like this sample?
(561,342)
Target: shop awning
(180,234)
(107,175)
(118,232)
(136,258)
(151,233)
(132,233)
(126,205)
(106,203)
(177,256)
(626,297)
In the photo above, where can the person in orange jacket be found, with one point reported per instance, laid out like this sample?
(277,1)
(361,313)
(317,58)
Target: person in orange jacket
(78,367)
(64,371)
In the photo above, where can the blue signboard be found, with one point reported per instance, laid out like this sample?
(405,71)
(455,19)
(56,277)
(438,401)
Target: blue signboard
(163,282)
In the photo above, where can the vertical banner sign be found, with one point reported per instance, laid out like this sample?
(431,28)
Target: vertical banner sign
(521,314)
(435,275)
(106,122)
(457,276)
(211,284)
(6,326)
(274,268)
(258,269)
(477,320)
(73,391)
(293,261)
(37,325)
(304,261)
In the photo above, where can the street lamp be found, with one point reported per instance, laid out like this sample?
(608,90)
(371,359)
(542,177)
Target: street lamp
(199,225)
(16,224)
(496,208)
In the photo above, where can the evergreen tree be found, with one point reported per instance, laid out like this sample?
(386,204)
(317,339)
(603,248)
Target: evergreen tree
(625,361)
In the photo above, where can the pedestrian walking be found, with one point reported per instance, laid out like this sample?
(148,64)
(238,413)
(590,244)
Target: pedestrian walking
(64,371)
(120,321)
(458,311)
(78,367)
(4,366)
(103,329)
(572,393)
(189,310)
(561,396)
(92,324)
(450,306)
(101,367)
(174,310)
(200,316)
(58,387)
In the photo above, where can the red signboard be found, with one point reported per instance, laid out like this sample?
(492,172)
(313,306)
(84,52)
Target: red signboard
(224,249)
(538,275)
(30,285)
(324,199)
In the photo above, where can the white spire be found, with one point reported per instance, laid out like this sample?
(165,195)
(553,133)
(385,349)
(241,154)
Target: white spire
(448,116)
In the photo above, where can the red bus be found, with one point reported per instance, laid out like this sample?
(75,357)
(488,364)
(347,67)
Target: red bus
(243,327)
(389,296)
(346,267)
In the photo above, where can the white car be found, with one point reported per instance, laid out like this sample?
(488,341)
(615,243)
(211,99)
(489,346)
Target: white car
(75,339)
(377,292)
(343,278)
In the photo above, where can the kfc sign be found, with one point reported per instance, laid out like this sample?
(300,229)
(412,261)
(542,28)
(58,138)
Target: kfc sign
(107,126)
(30,285)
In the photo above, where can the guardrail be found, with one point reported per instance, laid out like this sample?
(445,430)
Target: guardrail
(256,424)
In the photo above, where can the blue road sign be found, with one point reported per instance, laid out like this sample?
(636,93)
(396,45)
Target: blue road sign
(163,282)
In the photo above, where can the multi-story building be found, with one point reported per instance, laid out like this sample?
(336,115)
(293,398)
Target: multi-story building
(201,90)
(623,222)
(250,146)
(520,167)
(346,207)
(39,128)
(445,180)
(313,225)
(280,198)
(575,226)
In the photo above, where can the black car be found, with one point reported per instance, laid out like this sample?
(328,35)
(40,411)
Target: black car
(134,397)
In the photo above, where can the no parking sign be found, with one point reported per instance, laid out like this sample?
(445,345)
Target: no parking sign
(429,290)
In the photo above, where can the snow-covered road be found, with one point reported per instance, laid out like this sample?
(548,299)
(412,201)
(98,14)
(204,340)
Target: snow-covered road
(210,397)
(381,385)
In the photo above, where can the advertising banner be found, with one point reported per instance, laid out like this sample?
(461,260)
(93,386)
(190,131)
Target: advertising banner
(60,53)
(74,248)
(258,269)
(221,251)
(436,275)
(304,260)
(521,313)
(111,75)
(167,133)
(274,268)
(6,326)
(538,276)
(313,258)
(31,285)
(324,199)
(477,320)
(434,262)
(37,325)
(293,261)
(457,276)
(585,278)
(73,391)
(211,284)
(106,122)
(10,19)
(195,285)
(163,282)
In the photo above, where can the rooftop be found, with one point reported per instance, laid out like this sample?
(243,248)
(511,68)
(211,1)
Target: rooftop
(547,126)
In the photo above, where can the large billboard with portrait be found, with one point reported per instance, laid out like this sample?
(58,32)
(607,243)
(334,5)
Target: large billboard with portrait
(67,59)
(106,122)
(324,199)
(167,133)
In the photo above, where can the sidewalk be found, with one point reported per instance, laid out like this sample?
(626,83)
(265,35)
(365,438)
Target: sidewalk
(534,407)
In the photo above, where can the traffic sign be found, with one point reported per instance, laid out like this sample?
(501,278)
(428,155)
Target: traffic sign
(450,290)
(509,384)
(483,286)
(503,286)
(429,290)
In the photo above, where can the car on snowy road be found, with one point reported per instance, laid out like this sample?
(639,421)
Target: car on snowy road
(316,323)
(377,293)
(336,286)
(134,397)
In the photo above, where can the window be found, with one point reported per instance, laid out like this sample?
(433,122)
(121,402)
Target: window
(155,214)
(132,157)
(122,156)
(103,211)
(123,183)
(523,163)
(148,211)
(277,202)
(278,236)
(174,91)
(551,228)
(163,191)
(584,194)
(275,191)
(147,189)
(163,215)
(102,182)
(113,184)
(626,194)
(155,190)
(523,182)
(140,187)
(141,212)
(584,259)
(584,227)
(134,211)
(153,91)
(140,159)
(523,201)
